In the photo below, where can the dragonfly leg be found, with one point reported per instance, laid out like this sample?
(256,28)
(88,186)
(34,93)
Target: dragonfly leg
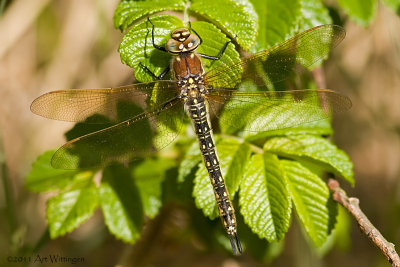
(159,77)
(191,29)
(201,41)
(161,48)
(220,53)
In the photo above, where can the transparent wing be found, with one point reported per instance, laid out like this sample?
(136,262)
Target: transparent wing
(135,137)
(278,62)
(266,111)
(78,104)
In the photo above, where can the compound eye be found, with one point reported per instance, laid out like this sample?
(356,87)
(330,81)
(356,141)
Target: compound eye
(191,44)
(185,33)
(172,46)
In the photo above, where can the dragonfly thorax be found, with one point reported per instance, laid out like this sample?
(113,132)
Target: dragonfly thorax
(192,87)
(182,41)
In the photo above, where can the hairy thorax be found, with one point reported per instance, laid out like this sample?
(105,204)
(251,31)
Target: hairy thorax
(188,71)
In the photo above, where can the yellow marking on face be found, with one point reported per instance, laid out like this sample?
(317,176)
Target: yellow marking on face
(195,101)
(178,59)
(191,55)
(191,80)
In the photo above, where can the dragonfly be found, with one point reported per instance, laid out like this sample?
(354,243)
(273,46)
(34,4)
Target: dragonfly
(160,105)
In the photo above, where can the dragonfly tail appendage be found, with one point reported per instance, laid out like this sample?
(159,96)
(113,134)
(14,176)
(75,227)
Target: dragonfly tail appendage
(235,243)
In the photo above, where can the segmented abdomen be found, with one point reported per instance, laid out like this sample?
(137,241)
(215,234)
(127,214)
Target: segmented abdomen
(196,108)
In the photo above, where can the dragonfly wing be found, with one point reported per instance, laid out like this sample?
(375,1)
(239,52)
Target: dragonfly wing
(278,62)
(78,104)
(267,111)
(135,137)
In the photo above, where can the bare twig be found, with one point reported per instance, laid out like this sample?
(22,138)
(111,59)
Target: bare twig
(352,205)
(319,77)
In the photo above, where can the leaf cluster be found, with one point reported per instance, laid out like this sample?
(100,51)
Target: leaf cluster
(267,174)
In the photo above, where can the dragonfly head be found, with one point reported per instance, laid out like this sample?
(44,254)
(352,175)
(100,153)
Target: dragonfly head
(182,41)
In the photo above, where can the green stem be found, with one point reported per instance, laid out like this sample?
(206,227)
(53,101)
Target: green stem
(186,14)
(42,241)
(8,197)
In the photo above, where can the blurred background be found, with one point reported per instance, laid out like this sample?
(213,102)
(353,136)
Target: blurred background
(47,45)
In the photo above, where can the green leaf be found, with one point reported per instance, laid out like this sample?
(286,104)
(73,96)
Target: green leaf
(315,149)
(204,194)
(136,47)
(312,201)
(191,159)
(342,232)
(240,20)
(314,14)
(68,210)
(121,204)
(149,176)
(361,11)
(261,118)
(278,20)
(137,50)
(116,146)
(264,199)
(128,12)
(43,177)
(91,124)
(233,156)
(319,127)
(213,42)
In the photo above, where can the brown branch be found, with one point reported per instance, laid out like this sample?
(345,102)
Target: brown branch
(319,77)
(352,205)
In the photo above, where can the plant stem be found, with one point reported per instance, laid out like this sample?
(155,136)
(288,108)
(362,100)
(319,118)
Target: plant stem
(7,193)
(186,14)
(42,241)
(352,205)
